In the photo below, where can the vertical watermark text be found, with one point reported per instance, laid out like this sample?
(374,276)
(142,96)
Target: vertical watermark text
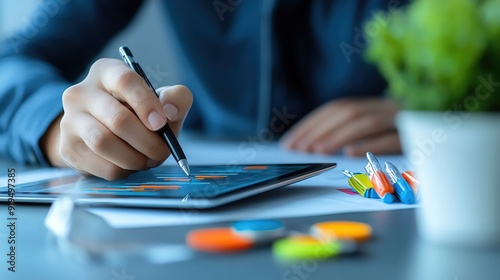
(11,220)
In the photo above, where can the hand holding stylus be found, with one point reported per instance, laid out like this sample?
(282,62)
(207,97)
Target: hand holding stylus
(110,122)
(165,132)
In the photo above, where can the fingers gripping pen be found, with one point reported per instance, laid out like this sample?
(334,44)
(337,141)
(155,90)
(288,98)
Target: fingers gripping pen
(402,189)
(380,182)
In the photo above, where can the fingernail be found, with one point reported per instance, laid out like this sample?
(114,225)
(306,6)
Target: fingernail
(170,111)
(152,163)
(156,121)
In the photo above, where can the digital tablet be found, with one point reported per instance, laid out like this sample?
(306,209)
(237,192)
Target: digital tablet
(167,186)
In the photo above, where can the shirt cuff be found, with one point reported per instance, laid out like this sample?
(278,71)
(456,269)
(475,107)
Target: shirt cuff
(38,113)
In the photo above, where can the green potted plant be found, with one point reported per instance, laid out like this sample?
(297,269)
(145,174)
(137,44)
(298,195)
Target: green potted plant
(441,60)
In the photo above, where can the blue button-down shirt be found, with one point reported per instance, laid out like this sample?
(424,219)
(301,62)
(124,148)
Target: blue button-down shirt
(254,66)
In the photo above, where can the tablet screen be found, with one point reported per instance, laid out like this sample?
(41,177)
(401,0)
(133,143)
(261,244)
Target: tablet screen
(170,182)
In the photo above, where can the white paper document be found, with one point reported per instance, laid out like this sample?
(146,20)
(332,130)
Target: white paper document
(327,193)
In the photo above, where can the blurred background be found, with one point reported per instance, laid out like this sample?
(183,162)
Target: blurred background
(12,13)
(147,46)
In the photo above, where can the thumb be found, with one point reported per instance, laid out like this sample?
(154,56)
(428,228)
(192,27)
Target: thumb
(176,102)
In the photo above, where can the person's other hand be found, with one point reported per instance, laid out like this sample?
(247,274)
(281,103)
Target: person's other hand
(109,122)
(355,125)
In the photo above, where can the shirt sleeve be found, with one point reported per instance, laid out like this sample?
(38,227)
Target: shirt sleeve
(42,59)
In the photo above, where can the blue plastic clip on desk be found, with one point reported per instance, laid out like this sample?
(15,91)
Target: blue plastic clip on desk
(402,189)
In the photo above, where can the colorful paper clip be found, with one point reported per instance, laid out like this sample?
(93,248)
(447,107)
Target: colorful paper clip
(402,189)
(260,231)
(412,181)
(361,184)
(380,182)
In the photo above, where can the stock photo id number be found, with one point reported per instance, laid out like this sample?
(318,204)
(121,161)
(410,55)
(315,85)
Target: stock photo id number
(11,220)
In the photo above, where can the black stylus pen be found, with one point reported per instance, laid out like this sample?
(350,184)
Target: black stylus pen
(166,131)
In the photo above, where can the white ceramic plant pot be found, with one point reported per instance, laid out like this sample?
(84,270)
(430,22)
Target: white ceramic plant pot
(456,157)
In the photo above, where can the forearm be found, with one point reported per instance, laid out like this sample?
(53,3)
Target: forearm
(30,100)
(36,68)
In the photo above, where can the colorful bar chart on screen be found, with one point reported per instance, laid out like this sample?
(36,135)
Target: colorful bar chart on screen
(166,181)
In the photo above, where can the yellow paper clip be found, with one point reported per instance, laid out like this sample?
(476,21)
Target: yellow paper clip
(361,184)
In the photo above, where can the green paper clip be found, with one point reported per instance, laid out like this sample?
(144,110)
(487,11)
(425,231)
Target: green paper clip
(361,183)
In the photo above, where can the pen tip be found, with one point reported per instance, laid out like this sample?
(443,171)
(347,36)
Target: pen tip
(185,167)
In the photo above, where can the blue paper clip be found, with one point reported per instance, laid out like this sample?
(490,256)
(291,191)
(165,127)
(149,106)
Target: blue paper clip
(402,189)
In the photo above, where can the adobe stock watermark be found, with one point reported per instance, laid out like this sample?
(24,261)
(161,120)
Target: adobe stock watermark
(304,269)
(223,6)
(138,93)
(454,118)
(277,124)
(156,76)
(32,25)
(11,221)
(362,39)
(246,153)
